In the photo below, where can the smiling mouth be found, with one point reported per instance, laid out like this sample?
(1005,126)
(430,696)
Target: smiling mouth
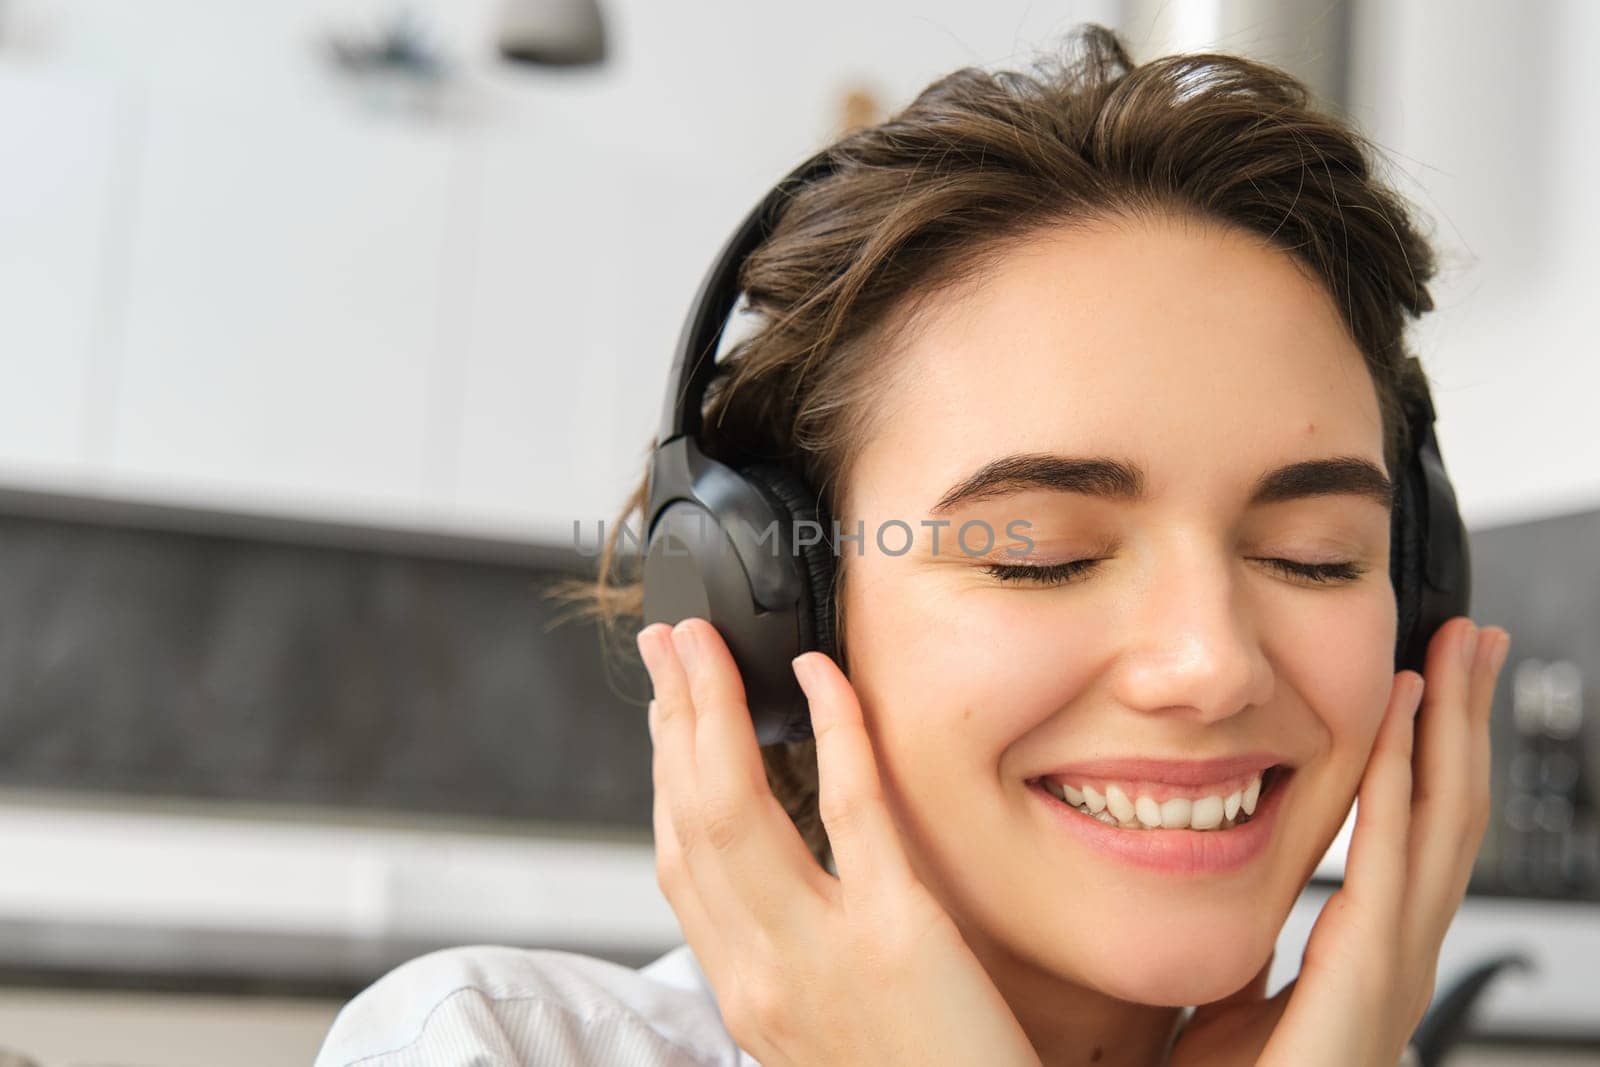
(1128,808)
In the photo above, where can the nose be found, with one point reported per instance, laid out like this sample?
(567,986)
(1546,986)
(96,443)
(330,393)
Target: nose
(1192,645)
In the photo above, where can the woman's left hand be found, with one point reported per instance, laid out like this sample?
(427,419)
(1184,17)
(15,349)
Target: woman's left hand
(1368,971)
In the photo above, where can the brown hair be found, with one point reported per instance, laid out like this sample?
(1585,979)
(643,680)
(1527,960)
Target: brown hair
(924,201)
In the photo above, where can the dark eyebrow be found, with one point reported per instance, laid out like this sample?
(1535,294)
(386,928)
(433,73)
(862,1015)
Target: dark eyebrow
(1123,481)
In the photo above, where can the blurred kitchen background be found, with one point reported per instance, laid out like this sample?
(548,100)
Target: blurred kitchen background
(321,323)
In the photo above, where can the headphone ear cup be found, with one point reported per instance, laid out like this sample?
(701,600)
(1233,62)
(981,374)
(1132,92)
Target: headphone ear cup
(788,493)
(1430,550)
(1406,560)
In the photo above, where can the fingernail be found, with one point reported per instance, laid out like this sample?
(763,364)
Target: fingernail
(683,639)
(1500,652)
(803,671)
(644,645)
(1469,645)
(1416,695)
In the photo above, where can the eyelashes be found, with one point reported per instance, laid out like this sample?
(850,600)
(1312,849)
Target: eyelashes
(1321,573)
(1051,574)
(1041,574)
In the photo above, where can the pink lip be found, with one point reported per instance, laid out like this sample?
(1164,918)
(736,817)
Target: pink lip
(1171,772)
(1177,851)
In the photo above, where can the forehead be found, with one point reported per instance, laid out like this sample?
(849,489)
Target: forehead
(1192,347)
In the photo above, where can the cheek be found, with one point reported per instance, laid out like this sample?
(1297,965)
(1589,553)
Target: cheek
(1340,664)
(983,668)
(1340,660)
(948,685)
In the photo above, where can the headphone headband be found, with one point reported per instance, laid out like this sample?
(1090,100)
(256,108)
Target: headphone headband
(694,359)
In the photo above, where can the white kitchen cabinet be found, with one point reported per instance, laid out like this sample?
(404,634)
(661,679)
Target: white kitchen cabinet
(538,358)
(587,259)
(289,275)
(58,140)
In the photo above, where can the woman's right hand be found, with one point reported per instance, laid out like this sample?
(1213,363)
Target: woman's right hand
(808,969)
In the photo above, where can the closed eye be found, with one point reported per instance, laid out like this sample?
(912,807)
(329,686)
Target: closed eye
(1041,574)
(1050,574)
(1329,573)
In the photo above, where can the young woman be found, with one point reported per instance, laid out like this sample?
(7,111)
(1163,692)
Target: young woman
(1155,314)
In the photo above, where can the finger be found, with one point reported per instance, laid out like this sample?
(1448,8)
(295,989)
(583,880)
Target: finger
(673,739)
(758,847)
(1441,790)
(1434,916)
(1495,656)
(867,849)
(668,730)
(671,756)
(1375,869)
(672,878)
(1494,644)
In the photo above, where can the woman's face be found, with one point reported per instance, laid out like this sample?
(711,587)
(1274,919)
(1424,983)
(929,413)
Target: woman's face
(1206,361)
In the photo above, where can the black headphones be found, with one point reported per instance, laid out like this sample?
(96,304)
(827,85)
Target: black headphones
(750,548)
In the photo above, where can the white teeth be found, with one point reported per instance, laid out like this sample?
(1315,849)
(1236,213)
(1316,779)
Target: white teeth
(1115,807)
(1149,812)
(1251,793)
(1207,813)
(1175,813)
(1118,804)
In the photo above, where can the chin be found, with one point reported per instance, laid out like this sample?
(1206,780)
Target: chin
(1177,962)
(1184,977)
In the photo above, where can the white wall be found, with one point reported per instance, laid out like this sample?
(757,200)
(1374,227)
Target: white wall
(1488,111)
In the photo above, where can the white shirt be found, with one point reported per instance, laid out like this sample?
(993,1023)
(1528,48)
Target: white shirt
(488,1006)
